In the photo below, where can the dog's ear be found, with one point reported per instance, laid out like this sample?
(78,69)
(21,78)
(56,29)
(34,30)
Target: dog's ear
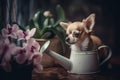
(89,23)
(64,25)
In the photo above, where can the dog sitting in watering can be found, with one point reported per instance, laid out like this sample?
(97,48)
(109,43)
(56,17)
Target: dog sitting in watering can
(79,35)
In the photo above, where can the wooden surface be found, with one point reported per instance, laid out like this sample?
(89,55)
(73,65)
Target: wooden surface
(60,74)
(57,72)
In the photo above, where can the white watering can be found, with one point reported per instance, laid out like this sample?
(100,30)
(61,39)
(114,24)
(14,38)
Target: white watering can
(80,62)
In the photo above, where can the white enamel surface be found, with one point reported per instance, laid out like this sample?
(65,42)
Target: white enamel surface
(44,47)
(84,63)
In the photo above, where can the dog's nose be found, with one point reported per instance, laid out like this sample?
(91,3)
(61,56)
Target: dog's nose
(67,39)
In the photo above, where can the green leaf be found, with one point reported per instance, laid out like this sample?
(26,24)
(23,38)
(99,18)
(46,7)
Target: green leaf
(61,30)
(46,22)
(60,15)
(57,23)
(46,35)
(38,19)
(60,12)
(51,21)
(31,24)
(37,33)
(27,27)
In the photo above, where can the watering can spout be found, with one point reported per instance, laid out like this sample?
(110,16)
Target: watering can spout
(65,62)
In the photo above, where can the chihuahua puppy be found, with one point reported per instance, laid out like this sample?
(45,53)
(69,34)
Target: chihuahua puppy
(79,35)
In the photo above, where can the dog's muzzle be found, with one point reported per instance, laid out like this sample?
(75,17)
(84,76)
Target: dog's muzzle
(68,41)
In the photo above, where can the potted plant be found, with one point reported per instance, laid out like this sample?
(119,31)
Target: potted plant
(19,53)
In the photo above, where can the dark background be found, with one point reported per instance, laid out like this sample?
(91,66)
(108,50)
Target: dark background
(107,15)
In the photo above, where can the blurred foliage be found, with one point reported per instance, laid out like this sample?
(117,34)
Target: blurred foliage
(47,25)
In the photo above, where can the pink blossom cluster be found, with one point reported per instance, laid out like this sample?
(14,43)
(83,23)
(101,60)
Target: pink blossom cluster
(19,45)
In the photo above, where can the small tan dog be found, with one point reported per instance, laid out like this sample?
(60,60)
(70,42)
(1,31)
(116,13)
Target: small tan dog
(79,35)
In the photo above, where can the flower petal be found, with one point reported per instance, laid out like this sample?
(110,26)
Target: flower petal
(31,40)
(32,32)
(30,43)
(38,68)
(35,57)
(1,50)
(6,66)
(27,34)
(15,28)
(13,35)
(8,26)
(21,58)
(12,48)
(7,56)
(4,32)
(6,41)
(9,51)
(20,34)
(37,46)
(20,55)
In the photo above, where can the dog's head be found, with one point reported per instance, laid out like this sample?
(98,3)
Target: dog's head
(77,31)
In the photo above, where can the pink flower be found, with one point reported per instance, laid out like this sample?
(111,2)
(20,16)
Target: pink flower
(6,49)
(10,31)
(20,55)
(32,45)
(35,56)
(26,34)
(6,52)
(2,40)
(36,59)
(28,49)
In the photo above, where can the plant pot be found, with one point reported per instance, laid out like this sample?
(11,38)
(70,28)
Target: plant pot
(55,45)
(19,72)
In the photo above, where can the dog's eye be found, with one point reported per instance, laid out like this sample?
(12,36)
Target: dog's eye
(66,35)
(76,34)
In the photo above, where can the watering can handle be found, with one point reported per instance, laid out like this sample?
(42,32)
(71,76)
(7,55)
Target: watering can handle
(109,54)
